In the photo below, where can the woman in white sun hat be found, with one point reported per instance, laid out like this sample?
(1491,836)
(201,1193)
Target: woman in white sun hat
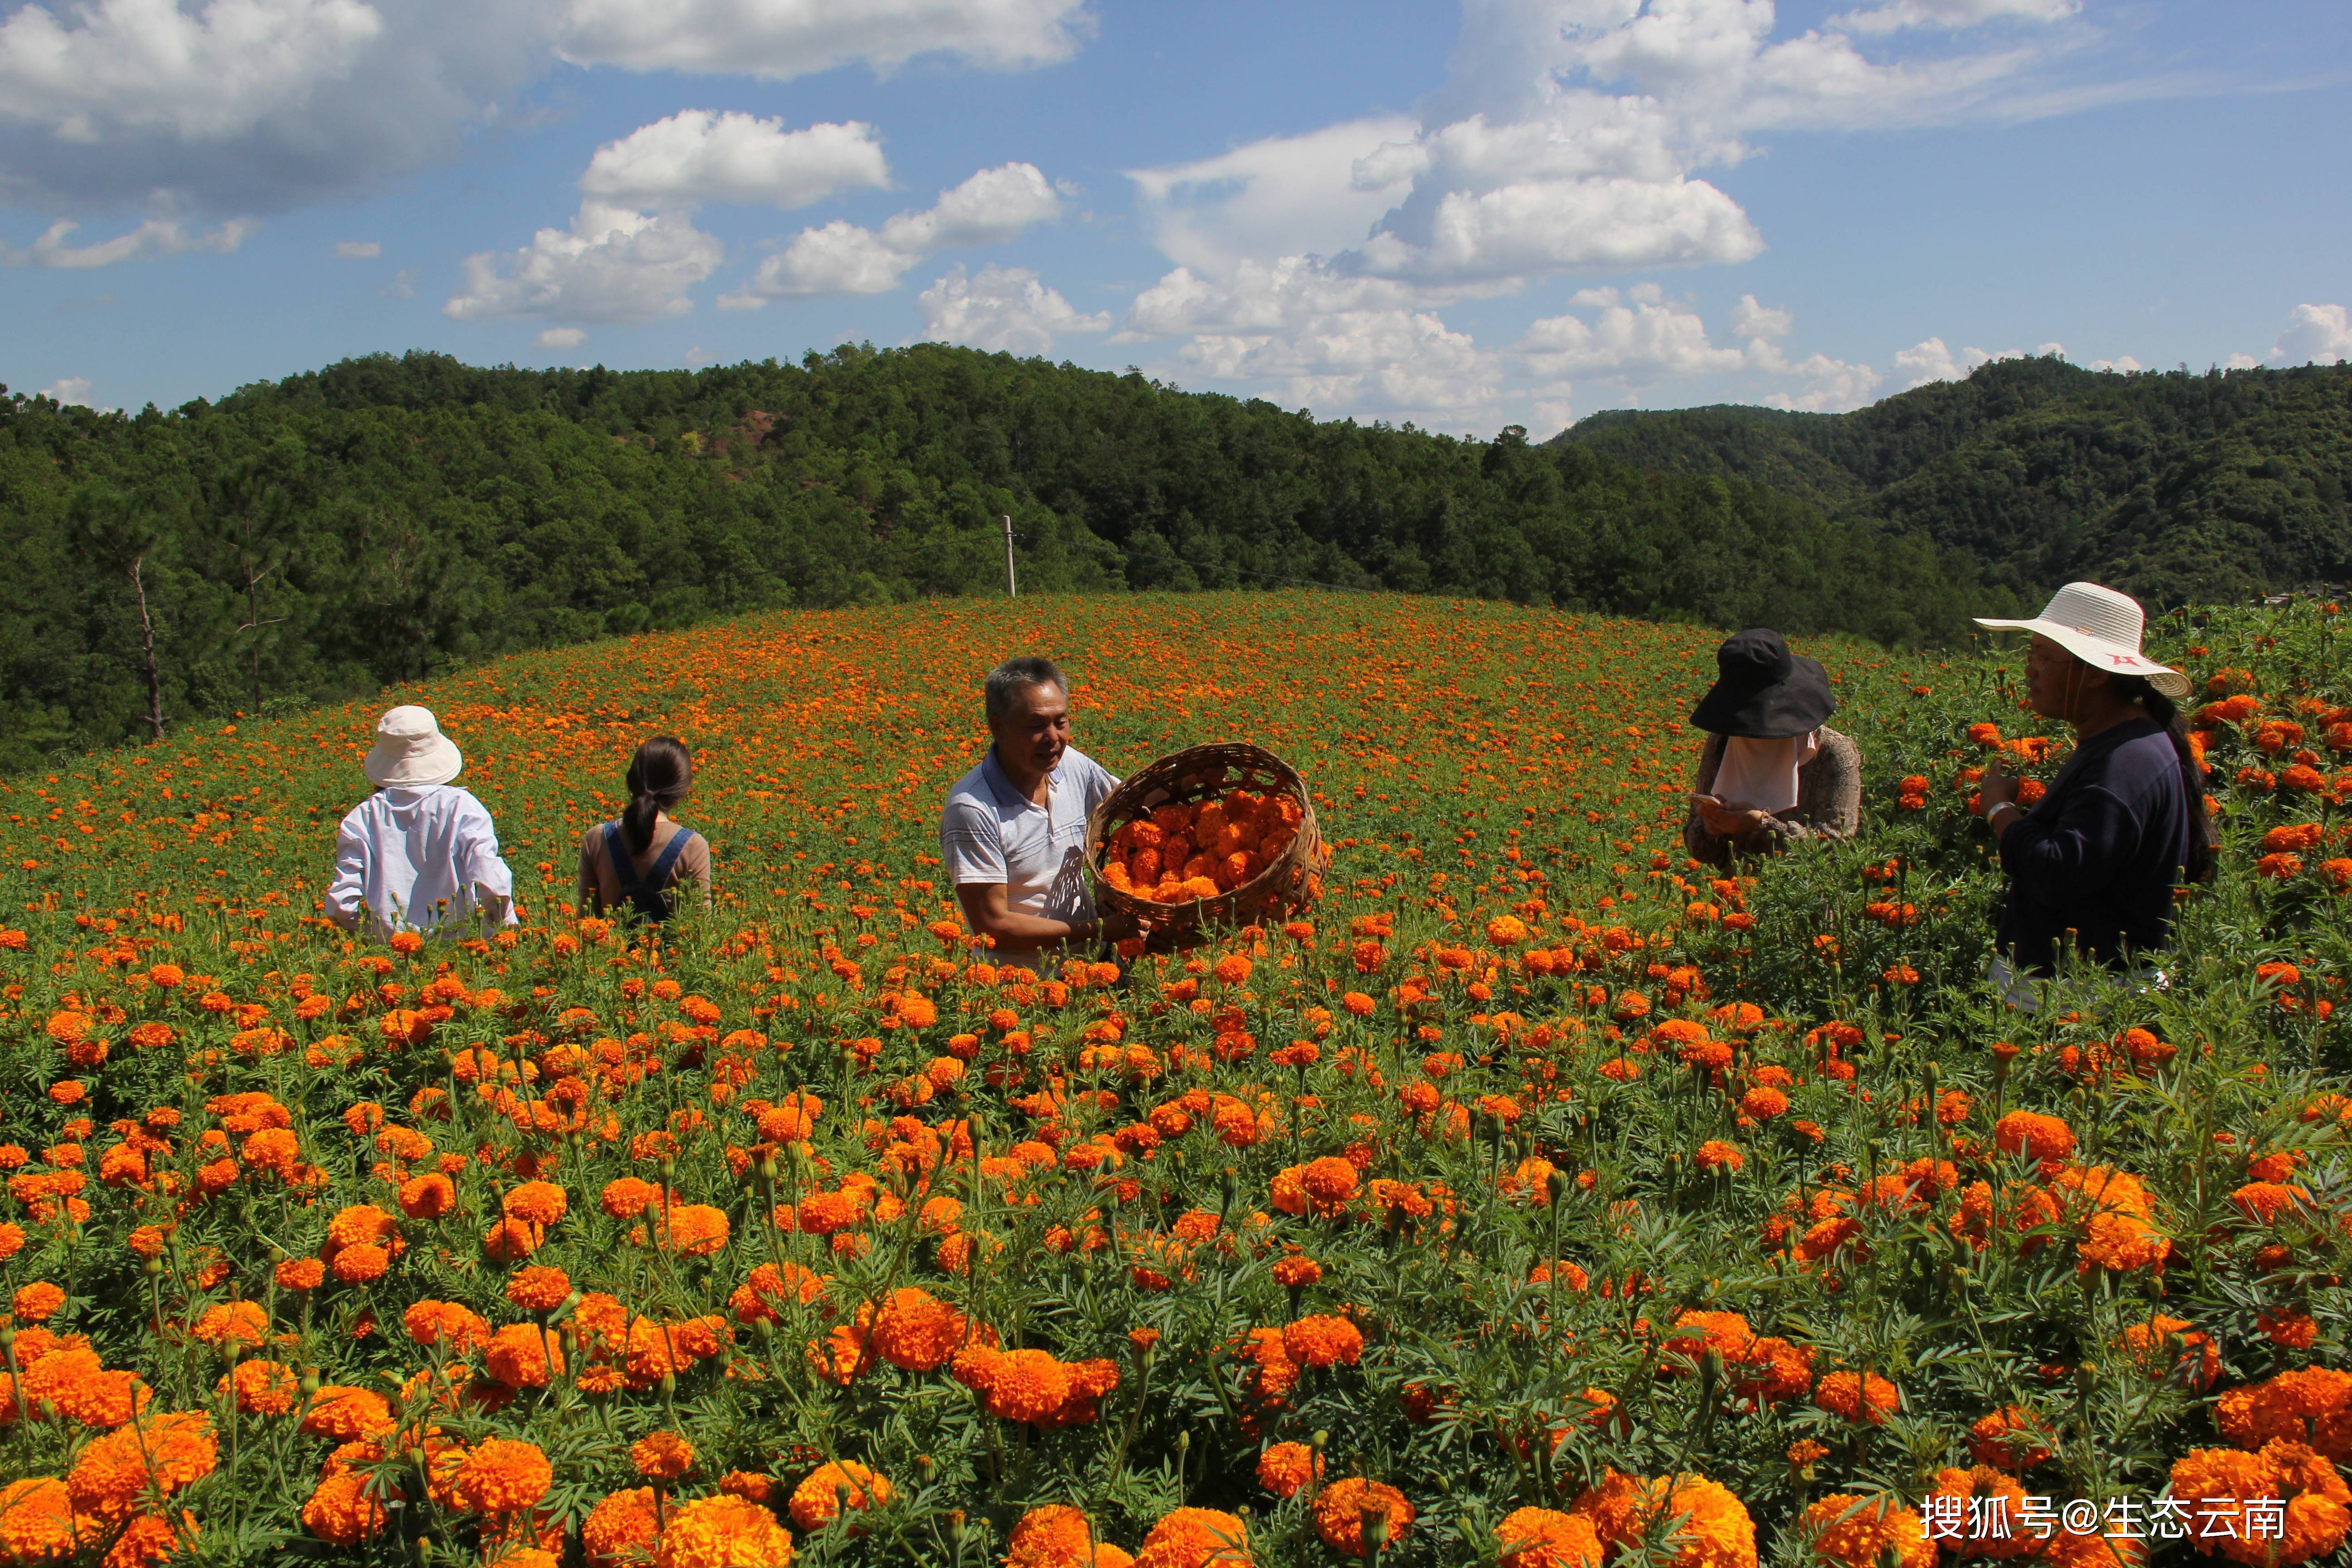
(2123,823)
(419,853)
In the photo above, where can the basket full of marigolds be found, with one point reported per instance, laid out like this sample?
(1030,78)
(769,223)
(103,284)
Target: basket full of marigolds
(1214,834)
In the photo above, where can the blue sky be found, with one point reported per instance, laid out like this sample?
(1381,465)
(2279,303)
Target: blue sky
(1506,211)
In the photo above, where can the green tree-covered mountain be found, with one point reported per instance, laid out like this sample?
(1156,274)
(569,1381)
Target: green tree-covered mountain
(2171,486)
(346,529)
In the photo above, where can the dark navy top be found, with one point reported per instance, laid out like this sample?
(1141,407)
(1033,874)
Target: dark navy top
(2100,853)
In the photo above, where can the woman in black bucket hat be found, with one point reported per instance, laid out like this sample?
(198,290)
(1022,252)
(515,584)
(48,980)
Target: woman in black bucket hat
(1772,771)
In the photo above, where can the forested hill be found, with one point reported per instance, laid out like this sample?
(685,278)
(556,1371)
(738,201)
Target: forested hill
(337,530)
(2172,486)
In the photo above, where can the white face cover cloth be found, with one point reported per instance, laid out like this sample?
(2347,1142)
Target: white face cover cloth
(1761,775)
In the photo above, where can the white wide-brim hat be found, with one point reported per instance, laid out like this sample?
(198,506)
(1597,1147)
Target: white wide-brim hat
(410,750)
(2102,628)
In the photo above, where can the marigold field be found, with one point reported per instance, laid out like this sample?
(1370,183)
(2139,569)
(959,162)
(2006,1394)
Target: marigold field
(1536,1196)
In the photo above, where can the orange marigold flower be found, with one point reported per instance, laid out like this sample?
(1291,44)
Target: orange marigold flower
(427,1196)
(2045,1138)
(35,1303)
(2262,1202)
(2154,1350)
(1285,1468)
(300,1274)
(1716,1530)
(1847,1393)
(1056,1535)
(2311,1404)
(2221,1482)
(1195,1538)
(347,1414)
(540,1203)
(1296,1273)
(1716,1154)
(517,1356)
(242,1322)
(831,1488)
(1857,1532)
(511,1240)
(37,1523)
(621,1526)
(724,1531)
(115,1475)
(1323,1339)
(429,1322)
(538,1288)
(2011,1438)
(917,1330)
(263,1387)
(662,1456)
(695,1229)
(626,1199)
(501,1475)
(1344,1508)
(1545,1538)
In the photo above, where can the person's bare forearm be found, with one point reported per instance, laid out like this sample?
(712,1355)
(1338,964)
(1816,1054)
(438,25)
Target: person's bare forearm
(1016,932)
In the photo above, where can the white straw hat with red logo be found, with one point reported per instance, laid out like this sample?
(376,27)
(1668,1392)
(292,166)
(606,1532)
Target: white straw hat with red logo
(2102,628)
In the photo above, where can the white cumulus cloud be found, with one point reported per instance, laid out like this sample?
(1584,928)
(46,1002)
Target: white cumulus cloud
(1652,335)
(562,338)
(73,391)
(246,107)
(2315,334)
(156,237)
(1932,359)
(1283,196)
(1569,136)
(612,264)
(842,257)
(696,155)
(1323,340)
(1003,309)
(1894,15)
(780,40)
(236,109)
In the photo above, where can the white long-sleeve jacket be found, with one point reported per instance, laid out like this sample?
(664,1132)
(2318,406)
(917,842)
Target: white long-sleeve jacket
(416,859)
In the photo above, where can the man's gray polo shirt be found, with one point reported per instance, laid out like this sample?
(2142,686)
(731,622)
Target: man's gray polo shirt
(990,832)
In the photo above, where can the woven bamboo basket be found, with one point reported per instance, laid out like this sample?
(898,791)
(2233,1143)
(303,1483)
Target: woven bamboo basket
(1290,880)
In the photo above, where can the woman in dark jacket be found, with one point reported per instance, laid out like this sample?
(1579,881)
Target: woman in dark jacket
(2123,823)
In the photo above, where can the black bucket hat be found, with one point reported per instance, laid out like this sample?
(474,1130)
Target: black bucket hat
(1763,691)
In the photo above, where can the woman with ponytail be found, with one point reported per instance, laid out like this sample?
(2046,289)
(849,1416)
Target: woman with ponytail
(639,858)
(2125,822)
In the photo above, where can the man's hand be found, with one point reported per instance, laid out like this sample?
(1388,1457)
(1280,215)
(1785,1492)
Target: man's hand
(1120,926)
(1726,821)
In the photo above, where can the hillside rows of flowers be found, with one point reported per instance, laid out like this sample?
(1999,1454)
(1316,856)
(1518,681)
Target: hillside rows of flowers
(1534,1197)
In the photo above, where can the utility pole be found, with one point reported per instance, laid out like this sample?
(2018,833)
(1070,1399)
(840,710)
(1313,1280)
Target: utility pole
(1011,590)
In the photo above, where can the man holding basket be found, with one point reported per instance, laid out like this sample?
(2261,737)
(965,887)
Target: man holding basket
(1013,836)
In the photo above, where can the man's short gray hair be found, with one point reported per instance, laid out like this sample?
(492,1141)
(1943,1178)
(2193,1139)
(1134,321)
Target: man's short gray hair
(1008,680)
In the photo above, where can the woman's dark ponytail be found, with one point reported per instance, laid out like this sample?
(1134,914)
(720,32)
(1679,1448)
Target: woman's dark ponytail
(2166,712)
(660,776)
